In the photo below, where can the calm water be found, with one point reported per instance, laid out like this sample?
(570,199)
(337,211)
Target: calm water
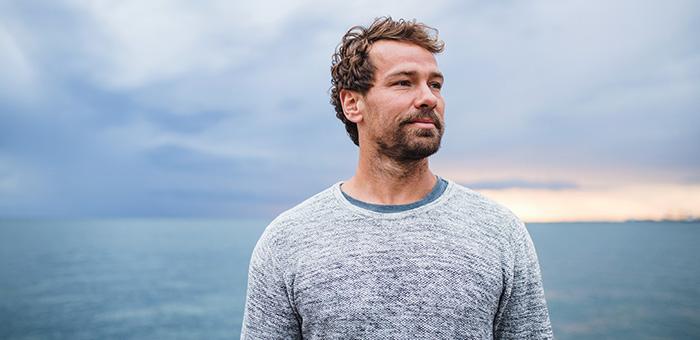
(185,279)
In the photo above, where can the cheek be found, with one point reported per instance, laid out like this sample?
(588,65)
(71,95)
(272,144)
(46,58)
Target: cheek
(441,107)
(385,109)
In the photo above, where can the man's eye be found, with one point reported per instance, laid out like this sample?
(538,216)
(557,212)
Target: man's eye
(436,85)
(403,83)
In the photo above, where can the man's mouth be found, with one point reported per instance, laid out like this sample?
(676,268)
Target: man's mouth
(423,120)
(424,123)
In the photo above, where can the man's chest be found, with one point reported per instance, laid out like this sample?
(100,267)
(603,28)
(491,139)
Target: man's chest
(382,280)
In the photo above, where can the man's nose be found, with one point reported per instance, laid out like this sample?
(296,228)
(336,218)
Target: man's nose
(426,97)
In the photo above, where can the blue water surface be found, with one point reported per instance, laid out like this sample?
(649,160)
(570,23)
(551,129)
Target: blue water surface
(185,279)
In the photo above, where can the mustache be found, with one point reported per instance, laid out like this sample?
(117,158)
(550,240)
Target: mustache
(423,114)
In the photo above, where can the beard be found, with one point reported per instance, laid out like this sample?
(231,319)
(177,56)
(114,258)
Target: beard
(409,144)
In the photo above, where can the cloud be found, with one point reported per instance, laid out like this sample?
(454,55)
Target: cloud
(574,83)
(147,43)
(520,183)
(126,107)
(16,72)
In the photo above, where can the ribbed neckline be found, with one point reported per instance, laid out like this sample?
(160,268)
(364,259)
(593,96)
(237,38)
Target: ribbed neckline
(438,189)
(338,193)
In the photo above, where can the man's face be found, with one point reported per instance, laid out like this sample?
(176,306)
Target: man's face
(403,112)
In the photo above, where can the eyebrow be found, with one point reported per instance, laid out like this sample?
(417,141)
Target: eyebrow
(413,74)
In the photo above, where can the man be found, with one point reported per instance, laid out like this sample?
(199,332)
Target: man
(395,252)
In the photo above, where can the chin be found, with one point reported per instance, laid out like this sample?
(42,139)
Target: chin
(421,150)
(411,146)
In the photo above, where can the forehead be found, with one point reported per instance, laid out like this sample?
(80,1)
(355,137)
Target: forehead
(389,56)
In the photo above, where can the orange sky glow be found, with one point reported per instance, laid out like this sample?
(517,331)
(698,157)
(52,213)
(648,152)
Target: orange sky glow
(597,197)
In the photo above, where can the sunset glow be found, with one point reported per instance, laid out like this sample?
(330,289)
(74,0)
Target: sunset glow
(549,195)
(641,202)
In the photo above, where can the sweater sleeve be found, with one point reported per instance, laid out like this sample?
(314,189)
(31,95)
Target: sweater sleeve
(522,311)
(268,310)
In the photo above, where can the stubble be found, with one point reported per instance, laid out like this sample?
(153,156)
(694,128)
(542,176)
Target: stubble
(408,144)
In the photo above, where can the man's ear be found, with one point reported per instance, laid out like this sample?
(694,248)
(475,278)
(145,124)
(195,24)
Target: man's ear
(352,104)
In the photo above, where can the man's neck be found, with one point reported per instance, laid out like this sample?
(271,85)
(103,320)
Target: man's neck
(382,180)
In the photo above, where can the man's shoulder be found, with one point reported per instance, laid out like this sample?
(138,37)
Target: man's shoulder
(305,212)
(486,211)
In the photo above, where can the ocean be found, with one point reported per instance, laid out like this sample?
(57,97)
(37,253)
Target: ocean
(185,279)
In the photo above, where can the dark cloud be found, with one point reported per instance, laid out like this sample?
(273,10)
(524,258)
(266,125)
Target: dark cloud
(131,113)
(520,184)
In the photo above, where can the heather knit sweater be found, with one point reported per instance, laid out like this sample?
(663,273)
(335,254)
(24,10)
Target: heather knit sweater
(459,267)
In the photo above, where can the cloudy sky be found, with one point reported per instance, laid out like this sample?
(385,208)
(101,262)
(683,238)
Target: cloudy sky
(561,110)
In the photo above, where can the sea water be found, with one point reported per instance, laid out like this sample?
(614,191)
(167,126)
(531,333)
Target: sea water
(185,279)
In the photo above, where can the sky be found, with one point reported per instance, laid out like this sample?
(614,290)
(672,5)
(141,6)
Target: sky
(560,110)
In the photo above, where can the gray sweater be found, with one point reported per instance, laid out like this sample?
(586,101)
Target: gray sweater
(459,267)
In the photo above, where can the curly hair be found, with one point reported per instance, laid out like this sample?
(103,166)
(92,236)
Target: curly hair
(352,69)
